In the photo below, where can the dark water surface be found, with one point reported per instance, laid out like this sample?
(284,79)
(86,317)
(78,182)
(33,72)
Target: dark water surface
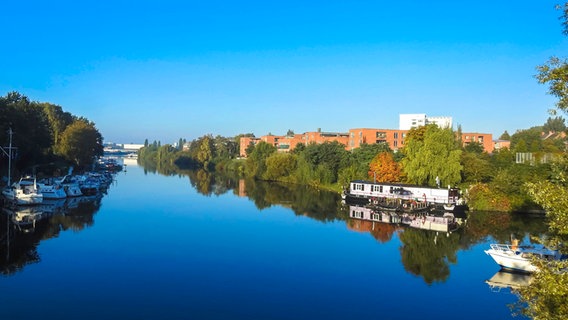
(195,247)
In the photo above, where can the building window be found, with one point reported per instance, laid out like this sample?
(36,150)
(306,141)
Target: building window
(381,135)
(395,144)
(396,135)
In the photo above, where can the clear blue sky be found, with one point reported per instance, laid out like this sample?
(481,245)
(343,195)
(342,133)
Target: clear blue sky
(168,69)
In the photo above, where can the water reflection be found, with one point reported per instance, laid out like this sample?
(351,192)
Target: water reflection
(430,242)
(23,228)
(508,280)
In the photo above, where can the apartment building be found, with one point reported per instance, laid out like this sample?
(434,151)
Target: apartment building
(394,138)
(485,139)
(289,142)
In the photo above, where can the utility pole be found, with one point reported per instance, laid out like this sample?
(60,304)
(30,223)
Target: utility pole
(9,154)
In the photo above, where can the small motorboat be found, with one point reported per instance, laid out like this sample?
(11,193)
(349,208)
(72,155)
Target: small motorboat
(518,258)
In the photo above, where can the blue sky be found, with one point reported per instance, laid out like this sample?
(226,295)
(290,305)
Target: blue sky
(168,69)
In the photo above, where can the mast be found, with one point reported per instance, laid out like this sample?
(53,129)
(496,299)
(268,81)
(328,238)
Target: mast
(9,154)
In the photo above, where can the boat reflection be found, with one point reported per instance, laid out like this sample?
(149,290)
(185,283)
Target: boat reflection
(508,280)
(22,228)
(24,218)
(432,220)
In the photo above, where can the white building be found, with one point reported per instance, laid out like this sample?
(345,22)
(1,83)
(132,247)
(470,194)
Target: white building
(409,121)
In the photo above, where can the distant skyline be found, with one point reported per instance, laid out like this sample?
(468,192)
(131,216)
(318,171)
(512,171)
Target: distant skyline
(164,70)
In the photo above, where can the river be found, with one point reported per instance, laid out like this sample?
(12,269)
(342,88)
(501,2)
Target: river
(196,246)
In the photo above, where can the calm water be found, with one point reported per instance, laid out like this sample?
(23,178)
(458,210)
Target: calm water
(192,247)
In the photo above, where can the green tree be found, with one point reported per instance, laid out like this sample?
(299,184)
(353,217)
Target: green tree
(431,152)
(279,166)
(546,296)
(476,167)
(505,136)
(256,162)
(81,143)
(556,124)
(326,159)
(363,156)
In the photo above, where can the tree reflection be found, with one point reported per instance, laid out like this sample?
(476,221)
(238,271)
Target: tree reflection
(428,254)
(425,253)
(18,242)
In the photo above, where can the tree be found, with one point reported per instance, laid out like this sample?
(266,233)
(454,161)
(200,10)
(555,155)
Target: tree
(476,167)
(505,136)
(383,168)
(81,143)
(326,159)
(474,147)
(256,161)
(430,153)
(279,165)
(555,124)
(546,296)
(363,156)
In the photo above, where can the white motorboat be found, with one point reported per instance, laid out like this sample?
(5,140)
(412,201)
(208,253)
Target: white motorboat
(518,258)
(23,194)
(71,186)
(49,191)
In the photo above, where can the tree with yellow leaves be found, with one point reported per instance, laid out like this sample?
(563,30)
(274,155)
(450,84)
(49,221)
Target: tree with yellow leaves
(383,168)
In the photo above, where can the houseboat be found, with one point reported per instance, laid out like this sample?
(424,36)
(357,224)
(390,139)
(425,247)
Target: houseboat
(363,192)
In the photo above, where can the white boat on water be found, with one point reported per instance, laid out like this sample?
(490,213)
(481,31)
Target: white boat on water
(518,258)
(71,186)
(22,194)
(49,191)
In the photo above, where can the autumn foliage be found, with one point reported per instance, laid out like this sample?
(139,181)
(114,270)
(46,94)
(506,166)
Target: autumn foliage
(383,168)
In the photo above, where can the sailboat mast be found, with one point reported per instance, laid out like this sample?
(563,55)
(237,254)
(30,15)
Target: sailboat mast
(10,157)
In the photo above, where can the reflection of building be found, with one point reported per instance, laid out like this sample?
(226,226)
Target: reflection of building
(242,188)
(383,232)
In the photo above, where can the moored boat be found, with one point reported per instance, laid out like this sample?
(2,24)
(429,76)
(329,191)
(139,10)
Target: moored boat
(518,258)
(48,190)
(361,191)
(22,194)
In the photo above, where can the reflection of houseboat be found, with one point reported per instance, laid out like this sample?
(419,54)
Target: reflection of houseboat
(511,280)
(518,258)
(443,223)
(361,191)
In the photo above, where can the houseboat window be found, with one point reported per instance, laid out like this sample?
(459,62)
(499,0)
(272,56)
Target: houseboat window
(376,216)
(390,190)
(381,189)
(358,186)
(357,214)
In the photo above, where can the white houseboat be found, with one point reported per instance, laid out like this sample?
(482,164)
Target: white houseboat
(367,190)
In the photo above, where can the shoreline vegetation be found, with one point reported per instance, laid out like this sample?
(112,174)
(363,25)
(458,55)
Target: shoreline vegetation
(489,182)
(46,140)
